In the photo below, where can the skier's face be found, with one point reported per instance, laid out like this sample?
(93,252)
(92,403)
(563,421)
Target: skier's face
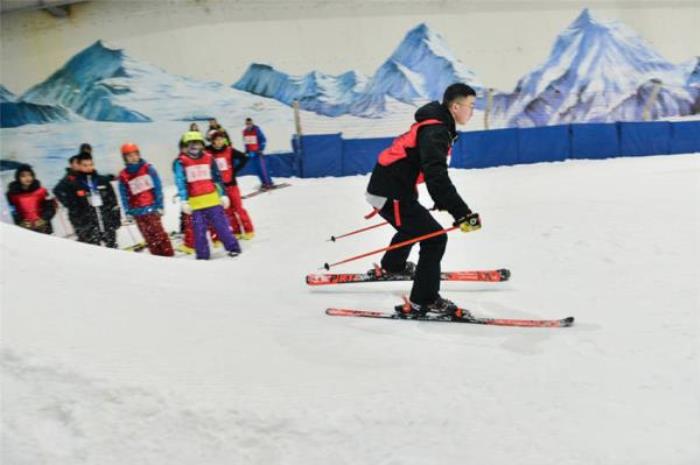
(195,148)
(26,178)
(462,109)
(132,157)
(219,142)
(87,166)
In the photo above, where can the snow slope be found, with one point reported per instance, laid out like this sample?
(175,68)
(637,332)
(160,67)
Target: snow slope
(111,357)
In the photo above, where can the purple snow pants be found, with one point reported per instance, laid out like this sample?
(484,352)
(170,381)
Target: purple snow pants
(216,217)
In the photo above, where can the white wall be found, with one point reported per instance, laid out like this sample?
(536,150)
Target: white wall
(499,40)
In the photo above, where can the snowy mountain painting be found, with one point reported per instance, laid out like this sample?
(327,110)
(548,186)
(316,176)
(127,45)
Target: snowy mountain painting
(105,84)
(693,81)
(15,113)
(597,71)
(419,69)
(315,91)
(6,95)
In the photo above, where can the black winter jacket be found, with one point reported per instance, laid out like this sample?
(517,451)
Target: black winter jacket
(398,180)
(73,191)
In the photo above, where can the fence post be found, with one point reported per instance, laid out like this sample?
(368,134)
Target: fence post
(298,152)
(489,105)
(646,114)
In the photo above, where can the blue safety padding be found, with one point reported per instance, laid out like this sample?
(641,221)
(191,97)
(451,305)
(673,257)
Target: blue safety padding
(330,155)
(637,139)
(548,143)
(280,165)
(481,149)
(322,155)
(360,155)
(595,140)
(685,137)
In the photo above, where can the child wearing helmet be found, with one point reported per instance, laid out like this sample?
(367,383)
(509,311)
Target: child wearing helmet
(141,193)
(230,161)
(199,186)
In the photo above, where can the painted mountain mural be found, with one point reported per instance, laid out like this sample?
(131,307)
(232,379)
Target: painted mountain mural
(6,95)
(316,91)
(419,69)
(693,80)
(14,113)
(105,84)
(597,71)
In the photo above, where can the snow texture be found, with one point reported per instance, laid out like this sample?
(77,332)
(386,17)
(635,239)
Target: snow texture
(597,71)
(111,357)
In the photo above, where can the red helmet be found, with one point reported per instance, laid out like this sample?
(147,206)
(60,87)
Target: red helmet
(129,147)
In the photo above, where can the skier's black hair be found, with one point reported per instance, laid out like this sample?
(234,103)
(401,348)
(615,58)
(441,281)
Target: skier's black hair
(455,91)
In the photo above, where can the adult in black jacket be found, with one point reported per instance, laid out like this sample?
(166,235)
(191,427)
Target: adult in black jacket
(92,204)
(60,190)
(422,152)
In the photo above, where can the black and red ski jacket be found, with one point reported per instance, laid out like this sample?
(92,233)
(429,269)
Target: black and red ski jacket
(426,148)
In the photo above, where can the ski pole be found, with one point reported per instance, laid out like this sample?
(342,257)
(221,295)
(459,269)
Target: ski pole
(357,231)
(393,246)
(62,219)
(133,238)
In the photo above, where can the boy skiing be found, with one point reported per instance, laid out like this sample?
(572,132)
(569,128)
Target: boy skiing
(230,161)
(199,186)
(254,142)
(417,155)
(141,193)
(32,207)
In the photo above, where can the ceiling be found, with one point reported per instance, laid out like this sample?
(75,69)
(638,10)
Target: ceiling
(59,8)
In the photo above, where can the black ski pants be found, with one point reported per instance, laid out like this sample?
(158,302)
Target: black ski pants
(411,219)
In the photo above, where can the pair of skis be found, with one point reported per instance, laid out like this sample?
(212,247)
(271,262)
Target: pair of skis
(498,275)
(260,190)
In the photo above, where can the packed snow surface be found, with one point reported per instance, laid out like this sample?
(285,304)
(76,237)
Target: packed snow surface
(110,357)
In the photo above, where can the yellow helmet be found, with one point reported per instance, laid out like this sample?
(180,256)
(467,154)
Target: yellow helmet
(192,136)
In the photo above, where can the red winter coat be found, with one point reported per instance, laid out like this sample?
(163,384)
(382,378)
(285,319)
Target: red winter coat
(139,186)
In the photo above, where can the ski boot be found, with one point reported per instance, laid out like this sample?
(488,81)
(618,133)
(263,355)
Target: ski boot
(440,309)
(185,249)
(380,273)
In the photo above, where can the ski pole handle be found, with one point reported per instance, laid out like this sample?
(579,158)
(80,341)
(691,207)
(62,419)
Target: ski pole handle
(392,247)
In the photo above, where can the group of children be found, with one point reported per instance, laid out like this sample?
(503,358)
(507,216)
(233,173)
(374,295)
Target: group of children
(205,178)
